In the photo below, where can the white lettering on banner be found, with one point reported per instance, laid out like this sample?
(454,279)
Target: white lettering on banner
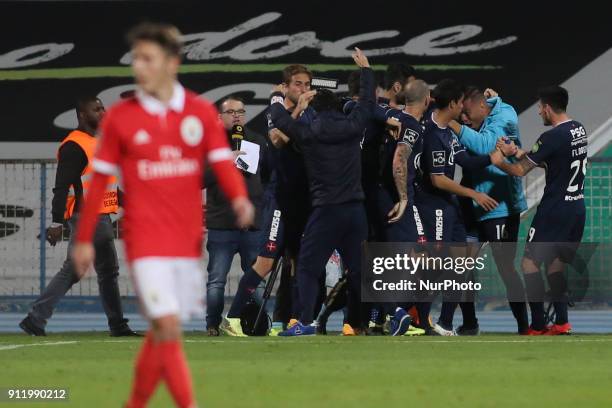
(201,46)
(435,43)
(343,47)
(295,42)
(18,58)
(431,43)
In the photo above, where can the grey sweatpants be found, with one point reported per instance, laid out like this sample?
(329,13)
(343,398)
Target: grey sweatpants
(106,265)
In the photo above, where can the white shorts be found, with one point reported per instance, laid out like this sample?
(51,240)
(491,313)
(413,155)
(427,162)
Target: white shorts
(169,286)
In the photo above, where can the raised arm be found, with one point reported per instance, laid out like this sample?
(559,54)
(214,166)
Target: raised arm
(483,141)
(283,121)
(367,90)
(479,142)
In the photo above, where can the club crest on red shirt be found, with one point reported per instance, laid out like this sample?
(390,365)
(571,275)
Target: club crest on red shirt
(192,130)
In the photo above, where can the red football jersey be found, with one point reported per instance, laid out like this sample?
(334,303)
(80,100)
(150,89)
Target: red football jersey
(159,151)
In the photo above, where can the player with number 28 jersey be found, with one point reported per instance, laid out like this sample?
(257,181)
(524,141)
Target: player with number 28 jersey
(562,151)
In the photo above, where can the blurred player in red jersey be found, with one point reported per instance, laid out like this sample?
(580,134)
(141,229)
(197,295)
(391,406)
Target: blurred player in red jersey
(158,141)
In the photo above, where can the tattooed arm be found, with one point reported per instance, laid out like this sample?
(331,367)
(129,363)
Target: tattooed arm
(400,170)
(519,169)
(400,176)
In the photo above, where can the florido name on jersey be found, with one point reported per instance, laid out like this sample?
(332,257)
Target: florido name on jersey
(172,164)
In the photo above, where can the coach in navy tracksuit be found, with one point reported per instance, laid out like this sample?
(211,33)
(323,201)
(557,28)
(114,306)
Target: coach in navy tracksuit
(331,147)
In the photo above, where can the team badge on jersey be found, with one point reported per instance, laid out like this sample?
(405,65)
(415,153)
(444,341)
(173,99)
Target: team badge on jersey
(410,136)
(438,158)
(192,130)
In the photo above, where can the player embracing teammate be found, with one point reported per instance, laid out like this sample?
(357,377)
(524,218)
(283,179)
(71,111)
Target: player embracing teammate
(557,227)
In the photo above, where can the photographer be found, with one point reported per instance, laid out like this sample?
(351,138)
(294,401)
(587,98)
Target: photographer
(224,239)
(331,146)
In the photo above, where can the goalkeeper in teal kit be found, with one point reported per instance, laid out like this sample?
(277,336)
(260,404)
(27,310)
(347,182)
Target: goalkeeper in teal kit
(488,118)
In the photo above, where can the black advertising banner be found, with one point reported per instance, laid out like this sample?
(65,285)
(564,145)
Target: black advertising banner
(52,52)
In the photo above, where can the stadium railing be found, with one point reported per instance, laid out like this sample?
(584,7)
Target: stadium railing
(27,262)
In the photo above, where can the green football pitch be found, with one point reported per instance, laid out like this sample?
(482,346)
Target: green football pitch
(327,371)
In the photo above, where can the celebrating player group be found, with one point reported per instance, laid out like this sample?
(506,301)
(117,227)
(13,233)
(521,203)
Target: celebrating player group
(377,164)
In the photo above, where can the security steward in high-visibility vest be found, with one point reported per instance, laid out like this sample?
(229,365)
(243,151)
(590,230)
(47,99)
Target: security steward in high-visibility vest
(72,179)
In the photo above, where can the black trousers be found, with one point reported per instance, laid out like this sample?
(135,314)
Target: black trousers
(502,234)
(339,226)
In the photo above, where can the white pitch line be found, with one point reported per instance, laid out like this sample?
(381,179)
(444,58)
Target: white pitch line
(318,342)
(52,343)
(406,340)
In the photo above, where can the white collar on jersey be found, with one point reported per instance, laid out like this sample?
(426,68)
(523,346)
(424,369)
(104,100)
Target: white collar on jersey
(154,106)
(434,121)
(560,123)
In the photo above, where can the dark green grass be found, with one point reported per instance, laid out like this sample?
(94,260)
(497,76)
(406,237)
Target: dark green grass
(329,371)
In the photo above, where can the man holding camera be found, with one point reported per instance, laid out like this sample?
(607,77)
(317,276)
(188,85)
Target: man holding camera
(224,239)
